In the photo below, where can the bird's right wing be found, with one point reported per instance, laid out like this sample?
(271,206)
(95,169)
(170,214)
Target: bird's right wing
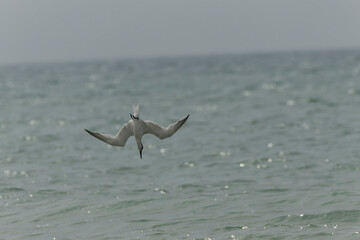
(119,139)
(162,132)
(125,132)
(103,137)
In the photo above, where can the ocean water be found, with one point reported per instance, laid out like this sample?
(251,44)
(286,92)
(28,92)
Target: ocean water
(270,150)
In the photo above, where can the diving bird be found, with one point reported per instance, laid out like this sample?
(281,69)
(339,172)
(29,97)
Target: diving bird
(137,127)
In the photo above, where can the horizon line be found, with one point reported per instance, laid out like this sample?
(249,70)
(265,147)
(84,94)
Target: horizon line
(171,56)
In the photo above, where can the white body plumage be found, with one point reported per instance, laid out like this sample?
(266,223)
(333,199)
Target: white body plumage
(137,127)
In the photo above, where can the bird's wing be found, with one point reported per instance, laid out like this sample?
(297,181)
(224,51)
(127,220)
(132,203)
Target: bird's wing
(103,137)
(161,132)
(119,139)
(125,132)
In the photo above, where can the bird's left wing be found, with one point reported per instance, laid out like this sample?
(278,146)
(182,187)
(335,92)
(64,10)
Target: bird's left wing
(162,132)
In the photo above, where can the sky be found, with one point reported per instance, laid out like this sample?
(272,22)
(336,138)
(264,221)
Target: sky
(68,30)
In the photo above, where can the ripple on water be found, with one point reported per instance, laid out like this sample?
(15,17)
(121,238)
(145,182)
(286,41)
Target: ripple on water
(260,175)
(129,203)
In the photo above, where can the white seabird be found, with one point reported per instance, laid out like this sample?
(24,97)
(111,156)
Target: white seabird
(137,127)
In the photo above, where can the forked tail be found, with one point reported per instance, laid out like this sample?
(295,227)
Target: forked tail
(136,110)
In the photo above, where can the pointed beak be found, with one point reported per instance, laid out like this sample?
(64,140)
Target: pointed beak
(141,154)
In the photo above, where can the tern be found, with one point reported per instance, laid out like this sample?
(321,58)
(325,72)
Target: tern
(138,128)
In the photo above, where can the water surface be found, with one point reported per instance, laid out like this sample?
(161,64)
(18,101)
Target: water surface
(270,150)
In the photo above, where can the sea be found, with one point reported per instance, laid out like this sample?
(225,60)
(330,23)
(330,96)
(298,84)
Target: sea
(271,149)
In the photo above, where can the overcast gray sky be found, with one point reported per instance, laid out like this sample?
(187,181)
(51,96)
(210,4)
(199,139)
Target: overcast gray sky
(43,30)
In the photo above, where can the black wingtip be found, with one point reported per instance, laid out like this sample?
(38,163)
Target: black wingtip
(88,131)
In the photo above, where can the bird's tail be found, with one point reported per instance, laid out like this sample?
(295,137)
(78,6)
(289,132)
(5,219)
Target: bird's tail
(136,110)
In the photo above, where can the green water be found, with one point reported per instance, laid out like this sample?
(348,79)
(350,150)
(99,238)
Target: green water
(270,151)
